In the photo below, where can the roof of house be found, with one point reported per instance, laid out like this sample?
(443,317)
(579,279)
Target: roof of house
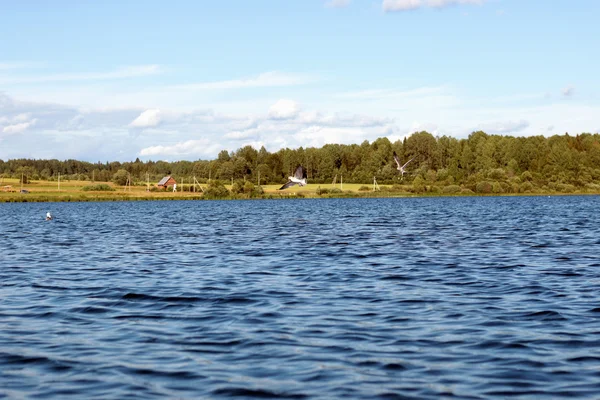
(164,180)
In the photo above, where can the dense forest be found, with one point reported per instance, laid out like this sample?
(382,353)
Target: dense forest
(480,163)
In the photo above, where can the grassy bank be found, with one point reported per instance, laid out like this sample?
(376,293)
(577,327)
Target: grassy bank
(79,191)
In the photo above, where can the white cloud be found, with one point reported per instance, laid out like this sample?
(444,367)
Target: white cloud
(119,73)
(568,91)
(284,109)
(18,128)
(337,3)
(423,126)
(242,135)
(189,147)
(317,136)
(407,5)
(267,79)
(503,127)
(147,119)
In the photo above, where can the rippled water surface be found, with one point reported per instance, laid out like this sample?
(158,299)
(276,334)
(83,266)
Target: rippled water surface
(350,298)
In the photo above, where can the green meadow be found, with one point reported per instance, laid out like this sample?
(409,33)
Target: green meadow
(11,190)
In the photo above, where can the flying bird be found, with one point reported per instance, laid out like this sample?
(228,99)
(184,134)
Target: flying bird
(299,178)
(401,168)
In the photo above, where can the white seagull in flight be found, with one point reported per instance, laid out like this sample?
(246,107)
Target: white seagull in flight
(401,168)
(299,178)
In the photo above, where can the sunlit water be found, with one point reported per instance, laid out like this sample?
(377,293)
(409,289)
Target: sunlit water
(350,298)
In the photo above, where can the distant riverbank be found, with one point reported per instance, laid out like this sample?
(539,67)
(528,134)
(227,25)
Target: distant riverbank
(79,191)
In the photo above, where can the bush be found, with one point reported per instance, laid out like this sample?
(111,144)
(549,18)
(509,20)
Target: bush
(451,189)
(526,187)
(364,189)
(419,184)
(102,187)
(216,190)
(399,188)
(258,191)
(593,187)
(484,187)
(120,177)
(497,174)
(248,187)
(565,188)
(497,188)
(526,176)
(237,187)
(321,191)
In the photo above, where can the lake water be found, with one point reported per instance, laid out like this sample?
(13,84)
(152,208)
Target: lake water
(344,298)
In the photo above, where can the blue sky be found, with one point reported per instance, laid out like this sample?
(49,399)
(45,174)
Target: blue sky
(116,80)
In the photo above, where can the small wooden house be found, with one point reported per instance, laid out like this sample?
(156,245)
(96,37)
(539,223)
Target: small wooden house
(166,182)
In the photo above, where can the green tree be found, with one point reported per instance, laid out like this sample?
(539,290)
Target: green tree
(120,177)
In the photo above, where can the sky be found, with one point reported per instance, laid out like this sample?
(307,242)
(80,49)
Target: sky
(182,79)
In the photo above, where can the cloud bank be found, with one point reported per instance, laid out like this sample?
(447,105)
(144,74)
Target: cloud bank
(147,119)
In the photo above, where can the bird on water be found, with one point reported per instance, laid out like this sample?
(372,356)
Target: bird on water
(48,216)
(401,168)
(299,178)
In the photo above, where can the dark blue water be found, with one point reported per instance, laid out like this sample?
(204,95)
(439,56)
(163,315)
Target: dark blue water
(351,298)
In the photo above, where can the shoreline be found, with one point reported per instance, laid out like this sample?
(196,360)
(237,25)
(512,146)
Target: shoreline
(76,191)
(28,198)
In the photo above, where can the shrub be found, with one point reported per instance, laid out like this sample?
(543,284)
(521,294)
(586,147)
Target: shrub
(398,188)
(419,184)
(248,187)
(594,187)
(483,187)
(216,190)
(451,189)
(565,188)
(120,177)
(526,187)
(442,174)
(102,187)
(258,191)
(497,188)
(526,176)
(497,174)
(237,187)
(364,188)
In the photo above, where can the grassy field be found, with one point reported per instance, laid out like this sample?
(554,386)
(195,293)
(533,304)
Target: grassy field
(46,191)
(73,191)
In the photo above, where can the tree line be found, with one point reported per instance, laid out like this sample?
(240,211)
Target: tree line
(481,162)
